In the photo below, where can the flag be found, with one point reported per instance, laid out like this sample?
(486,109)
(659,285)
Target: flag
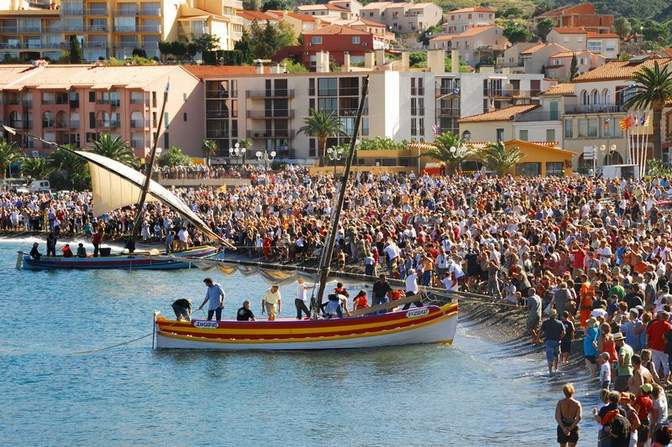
(647,122)
(436,129)
(626,123)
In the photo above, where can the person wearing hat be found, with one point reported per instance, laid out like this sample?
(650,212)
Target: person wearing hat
(553,331)
(624,364)
(214,296)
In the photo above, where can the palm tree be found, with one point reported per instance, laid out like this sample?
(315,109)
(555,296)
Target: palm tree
(451,150)
(8,155)
(322,125)
(115,148)
(652,90)
(35,167)
(70,170)
(209,149)
(501,159)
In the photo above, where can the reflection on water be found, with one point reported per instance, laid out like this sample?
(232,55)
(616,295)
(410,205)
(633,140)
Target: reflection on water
(469,394)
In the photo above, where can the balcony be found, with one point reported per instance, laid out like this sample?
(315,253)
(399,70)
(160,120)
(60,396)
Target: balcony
(137,124)
(9,29)
(97,28)
(125,28)
(151,11)
(95,44)
(54,124)
(112,102)
(20,124)
(74,124)
(72,10)
(449,112)
(217,113)
(510,93)
(96,11)
(217,133)
(126,12)
(594,108)
(108,124)
(30,29)
(537,116)
(263,94)
(278,133)
(220,94)
(270,114)
(153,28)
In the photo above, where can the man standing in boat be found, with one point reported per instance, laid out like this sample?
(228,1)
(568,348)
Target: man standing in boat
(214,296)
(270,301)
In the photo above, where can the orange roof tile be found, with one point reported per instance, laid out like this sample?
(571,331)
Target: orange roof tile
(475,9)
(474,31)
(336,29)
(568,30)
(666,51)
(616,70)
(534,49)
(296,15)
(257,15)
(584,8)
(603,36)
(506,114)
(218,71)
(562,89)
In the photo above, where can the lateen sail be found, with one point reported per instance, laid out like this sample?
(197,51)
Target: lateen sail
(116,185)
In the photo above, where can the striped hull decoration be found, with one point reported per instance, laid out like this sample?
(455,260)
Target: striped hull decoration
(431,324)
(134,262)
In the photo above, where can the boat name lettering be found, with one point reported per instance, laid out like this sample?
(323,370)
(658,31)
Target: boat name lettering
(415,313)
(206,324)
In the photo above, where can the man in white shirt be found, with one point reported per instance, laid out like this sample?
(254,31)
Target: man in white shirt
(302,298)
(271,302)
(412,288)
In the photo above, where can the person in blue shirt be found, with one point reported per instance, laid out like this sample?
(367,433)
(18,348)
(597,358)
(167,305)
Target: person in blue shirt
(590,345)
(214,296)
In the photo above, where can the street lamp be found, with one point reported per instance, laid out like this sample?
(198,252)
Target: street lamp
(237,152)
(266,156)
(334,154)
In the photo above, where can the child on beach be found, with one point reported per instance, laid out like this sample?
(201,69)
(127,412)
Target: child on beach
(605,370)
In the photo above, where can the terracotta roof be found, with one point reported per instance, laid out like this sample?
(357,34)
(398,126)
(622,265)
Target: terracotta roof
(562,89)
(187,12)
(257,15)
(218,71)
(322,6)
(474,31)
(295,15)
(538,47)
(336,29)
(618,70)
(666,51)
(506,114)
(568,30)
(603,36)
(476,9)
(584,8)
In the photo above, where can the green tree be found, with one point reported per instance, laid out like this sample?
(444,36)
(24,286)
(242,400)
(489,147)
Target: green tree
(275,5)
(293,66)
(176,49)
(207,45)
(544,26)
(69,170)
(517,31)
(35,167)
(427,34)
(622,27)
(322,125)
(417,59)
(451,150)
(653,88)
(75,51)
(501,159)
(655,32)
(286,36)
(210,149)
(8,155)
(251,5)
(114,148)
(174,156)
(574,67)
(243,49)
(380,143)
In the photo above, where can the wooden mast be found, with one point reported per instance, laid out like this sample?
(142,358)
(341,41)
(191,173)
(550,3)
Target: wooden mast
(149,167)
(328,249)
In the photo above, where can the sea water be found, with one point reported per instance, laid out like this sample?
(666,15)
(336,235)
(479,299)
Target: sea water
(54,393)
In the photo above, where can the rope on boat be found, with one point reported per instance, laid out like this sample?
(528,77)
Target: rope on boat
(112,346)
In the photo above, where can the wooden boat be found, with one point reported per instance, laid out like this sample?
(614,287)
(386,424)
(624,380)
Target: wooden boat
(136,261)
(429,324)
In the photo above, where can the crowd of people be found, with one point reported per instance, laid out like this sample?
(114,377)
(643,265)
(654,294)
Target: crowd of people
(204,171)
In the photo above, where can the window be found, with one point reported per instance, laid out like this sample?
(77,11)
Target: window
(413,89)
(316,40)
(92,96)
(528,169)
(421,106)
(92,120)
(166,140)
(356,40)
(569,129)
(311,147)
(592,127)
(327,105)
(500,134)
(550,134)
(421,126)
(166,120)
(585,99)
(184,117)
(414,127)
(348,86)
(311,87)
(414,108)
(153,99)
(523,134)
(555,168)
(326,87)
(421,88)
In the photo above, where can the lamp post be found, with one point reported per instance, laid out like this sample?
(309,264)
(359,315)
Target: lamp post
(237,152)
(266,156)
(334,154)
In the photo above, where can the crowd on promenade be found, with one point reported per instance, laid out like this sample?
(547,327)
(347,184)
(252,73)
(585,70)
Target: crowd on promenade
(581,254)
(204,171)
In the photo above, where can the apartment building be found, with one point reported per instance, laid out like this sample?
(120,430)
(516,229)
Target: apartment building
(473,45)
(74,104)
(403,18)
(580,16)
(111,28)
(326,10)
(578,39)
(460,20)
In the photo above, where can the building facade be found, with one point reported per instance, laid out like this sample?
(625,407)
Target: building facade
(403,18)
(460,20)
(580,16)
(477,44)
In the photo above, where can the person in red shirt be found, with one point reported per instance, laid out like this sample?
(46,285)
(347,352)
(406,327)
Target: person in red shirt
(655,334)
(643,405)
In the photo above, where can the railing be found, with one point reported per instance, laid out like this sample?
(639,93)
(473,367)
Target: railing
(72,11)
(278,133)
(511,93)
(97,28)
(537,116)
(9,29)
(220,94)
(449,112)
(126,12)
(30,29)
(217,114)
(125,28)
(74,124)
(263,114)
(279,93)
(150,45)
(150,29)
(97,11)
(111,124)
(147,11)
(595,108)
(20,124)
(137,124)
(95,44)
(217,134)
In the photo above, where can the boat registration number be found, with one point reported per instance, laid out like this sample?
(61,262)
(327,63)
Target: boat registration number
(206,324)
(415,313)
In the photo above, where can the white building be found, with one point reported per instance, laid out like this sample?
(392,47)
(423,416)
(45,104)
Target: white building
(460,20)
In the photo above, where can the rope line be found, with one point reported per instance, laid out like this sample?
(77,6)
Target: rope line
(112,346)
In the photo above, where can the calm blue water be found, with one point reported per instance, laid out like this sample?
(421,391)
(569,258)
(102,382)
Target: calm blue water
(469,394)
